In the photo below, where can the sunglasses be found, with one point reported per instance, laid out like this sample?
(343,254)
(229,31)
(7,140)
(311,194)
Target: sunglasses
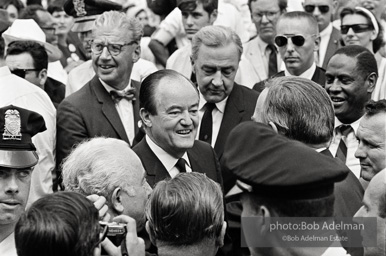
(357,28)
(297,40)
(21,72)
(322,8)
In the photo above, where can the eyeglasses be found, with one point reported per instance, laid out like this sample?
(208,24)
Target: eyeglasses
(114,49)
(322,8)
(297,40)
(357,28)
(259,15)
(21,72)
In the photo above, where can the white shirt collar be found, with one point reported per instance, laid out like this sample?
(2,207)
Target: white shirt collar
(166,159)
(219,105)
(109,88)
(326,31)
(354,125)
(309,73)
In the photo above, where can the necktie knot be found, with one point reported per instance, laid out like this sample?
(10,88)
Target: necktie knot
(128,94)
(180,165)
(345,129)
(272,47)
(209,106)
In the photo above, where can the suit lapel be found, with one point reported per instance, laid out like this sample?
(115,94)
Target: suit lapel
(231,118)
(319,77)
(193,157)
(155,170)
(108,108)
(333,45)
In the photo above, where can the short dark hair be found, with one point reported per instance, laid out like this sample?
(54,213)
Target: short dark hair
(366,63)
(17,3)
(37,51)
(61,224)
(375,107)
(148,85)
(378,41)
(55,7)
(189,5)
(186,209)
(282,4)
(319,207)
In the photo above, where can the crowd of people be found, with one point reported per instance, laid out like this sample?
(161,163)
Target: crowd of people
(189,126)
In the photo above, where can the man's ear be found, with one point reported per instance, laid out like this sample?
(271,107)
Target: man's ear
(116,200)
(137,53)
(266,221)
(371,81)
(220,238)
(193,64)
(145,116)
(42,77)
(151,233)
(273,126)
(317,43)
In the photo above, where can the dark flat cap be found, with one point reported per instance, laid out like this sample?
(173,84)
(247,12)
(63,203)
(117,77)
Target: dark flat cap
(274,166)
(86,11)
(17,127)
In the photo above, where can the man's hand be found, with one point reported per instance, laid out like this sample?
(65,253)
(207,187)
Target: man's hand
(135,246)
(100,204)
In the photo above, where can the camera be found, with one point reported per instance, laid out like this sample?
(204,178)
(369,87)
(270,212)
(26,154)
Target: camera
(115,232)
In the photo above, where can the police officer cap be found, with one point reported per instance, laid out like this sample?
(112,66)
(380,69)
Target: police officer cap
(17,127)
(273,166)
(86,11)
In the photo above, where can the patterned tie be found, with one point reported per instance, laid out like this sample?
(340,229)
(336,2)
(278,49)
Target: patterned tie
(128,94)
(272,62)
(180,165)
(207,123)
(342,148)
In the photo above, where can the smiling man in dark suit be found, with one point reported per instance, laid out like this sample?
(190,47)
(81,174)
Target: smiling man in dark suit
(169,113)
(216,52)
(106,105)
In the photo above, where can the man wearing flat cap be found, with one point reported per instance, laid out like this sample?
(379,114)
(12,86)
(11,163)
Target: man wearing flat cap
(17,158)
(280,178)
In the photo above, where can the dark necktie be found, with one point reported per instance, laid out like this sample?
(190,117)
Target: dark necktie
(207,123)
(127,94)
(341,153)
(180,165)
(272,62)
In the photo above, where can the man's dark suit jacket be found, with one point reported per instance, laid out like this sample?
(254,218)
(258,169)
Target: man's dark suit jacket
(201,156)
(55,90)
(333,45)
(88,113)
(239,108)
(319,77)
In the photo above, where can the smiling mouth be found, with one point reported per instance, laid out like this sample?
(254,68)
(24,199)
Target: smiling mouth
(184,132)
(337,99)
(105,66)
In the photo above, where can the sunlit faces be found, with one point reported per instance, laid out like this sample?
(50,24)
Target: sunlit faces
(63,22)
(323,18)
(14,191)
(371,150)
(195,20)
(363,38)
(115,70)
(86,37)
(297,59)
(215,70)
(174,126)
(348,90)
(373,206)
(13,14)
(265,14)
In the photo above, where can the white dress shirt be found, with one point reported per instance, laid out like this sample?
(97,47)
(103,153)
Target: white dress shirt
(125,110)
(352,145)
(217,116)
(7,246)
(21,93)
(166,159)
